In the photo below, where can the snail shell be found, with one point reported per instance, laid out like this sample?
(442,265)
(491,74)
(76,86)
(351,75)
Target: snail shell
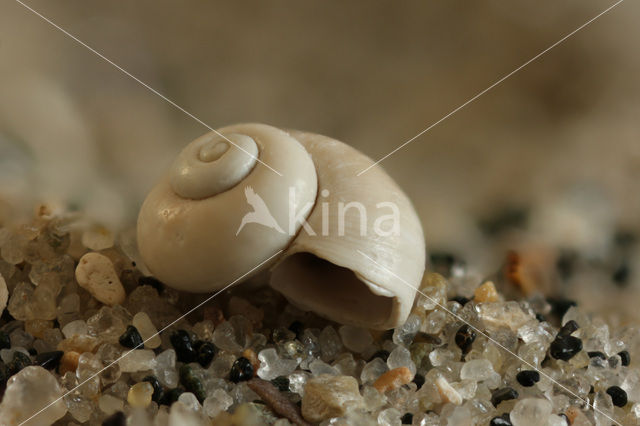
(189,234)
(187,225)
(334,275)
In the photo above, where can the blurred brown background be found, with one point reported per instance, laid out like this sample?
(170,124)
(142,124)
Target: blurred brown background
(560,137)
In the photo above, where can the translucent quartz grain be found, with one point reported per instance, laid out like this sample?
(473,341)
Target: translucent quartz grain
(461,416)
(137,360)
(139,416)
(108,323)
(140,395)
(28,302)
(41,346)
(441,356)
(634,413)
(318,367)
(20,338)
(204,330)
(372,370)
(404,334)
(530,332)
(242,393)
(13,250)
(7,270)
(530,411)
(297,382)
(6,355)
(466,388)
(119,389)
(631,385)
(147,330)
(80,407)
(221,364)
(224,338)
(211,384)
(28,391)
(556,420)
(533,353)
(110,404)
(77,327)
(252,413)
(257,341)
(97,238)
(435,321)
(577,315)
(373,399)
(165,368)
(577,417)
(68,309)
(595,336)
(346,365)
(109,354)
(291,349)
(477,370)
(20,302)
(190,400)
(217,402)
(355,339)
(433,293)
(389,417)
(330,343)
(401,357)
(89,367)
(272,366)
(231,335)
(507,314)
(602,409)
(57,272)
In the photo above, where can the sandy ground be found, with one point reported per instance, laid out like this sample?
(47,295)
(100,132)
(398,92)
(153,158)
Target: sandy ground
(560,136)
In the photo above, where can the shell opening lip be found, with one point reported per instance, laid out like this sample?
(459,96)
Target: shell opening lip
(332,291)
(375,289)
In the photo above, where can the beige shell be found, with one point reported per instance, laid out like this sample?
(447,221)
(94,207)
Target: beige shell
(366,280)
(192,233)
(188,223)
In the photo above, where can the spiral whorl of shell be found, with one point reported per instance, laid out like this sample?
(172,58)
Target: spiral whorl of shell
(212,164)
(198,229)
